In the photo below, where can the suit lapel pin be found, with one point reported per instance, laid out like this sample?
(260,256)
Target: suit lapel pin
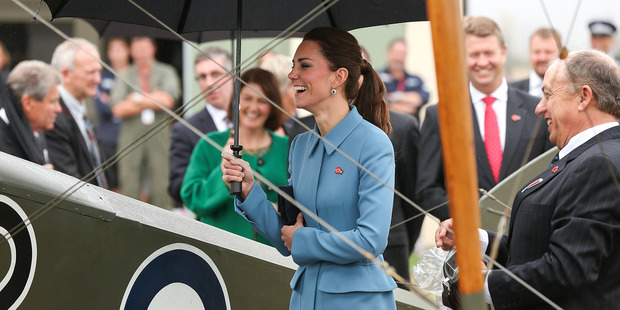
(532,184)
(339,170)
(554,169)
(515,117)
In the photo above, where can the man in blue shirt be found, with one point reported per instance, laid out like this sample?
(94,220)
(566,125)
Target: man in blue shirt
(405,92)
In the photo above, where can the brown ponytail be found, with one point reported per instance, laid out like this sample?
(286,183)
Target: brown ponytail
(370,100)
(342,50)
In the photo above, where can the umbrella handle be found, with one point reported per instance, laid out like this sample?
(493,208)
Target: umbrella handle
(235,187)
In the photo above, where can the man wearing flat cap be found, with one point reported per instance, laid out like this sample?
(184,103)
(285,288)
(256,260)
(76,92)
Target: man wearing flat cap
(602,37)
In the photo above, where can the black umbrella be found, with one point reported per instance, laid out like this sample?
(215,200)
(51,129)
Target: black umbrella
(187,16)
(106,29)
(192,16)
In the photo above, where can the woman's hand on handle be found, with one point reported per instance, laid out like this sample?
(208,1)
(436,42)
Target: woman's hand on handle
(237,170)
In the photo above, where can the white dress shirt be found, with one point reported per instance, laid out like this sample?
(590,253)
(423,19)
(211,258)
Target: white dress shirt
(3,116)
(77,110)
(584,136)
(499,106)
(220,117)
(535,87)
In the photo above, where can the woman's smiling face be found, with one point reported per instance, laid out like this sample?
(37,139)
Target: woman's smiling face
(254,109)
(311,76)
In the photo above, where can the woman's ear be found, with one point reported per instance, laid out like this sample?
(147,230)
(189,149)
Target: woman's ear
(340,77)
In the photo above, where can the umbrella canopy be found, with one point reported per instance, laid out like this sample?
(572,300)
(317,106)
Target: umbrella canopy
(187,16)
(106,29)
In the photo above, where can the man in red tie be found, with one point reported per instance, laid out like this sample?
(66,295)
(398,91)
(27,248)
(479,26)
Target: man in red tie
(504,120)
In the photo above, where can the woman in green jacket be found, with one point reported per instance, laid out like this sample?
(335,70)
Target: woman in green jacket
(203,190)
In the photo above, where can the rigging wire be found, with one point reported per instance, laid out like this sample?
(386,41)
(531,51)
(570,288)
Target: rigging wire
(290,30)
(525,284)
(427,212)
(154,130)
(387,269)
(192,128)
(321,8)
(503,222)
(614,177)
(383,265)
(159,126)
(571,25)
(54,202)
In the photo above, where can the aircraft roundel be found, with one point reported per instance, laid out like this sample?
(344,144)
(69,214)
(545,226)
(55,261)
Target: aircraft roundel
(18,240)
(177,276)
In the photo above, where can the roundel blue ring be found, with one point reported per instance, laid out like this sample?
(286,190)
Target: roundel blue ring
(16,288)
(177,266)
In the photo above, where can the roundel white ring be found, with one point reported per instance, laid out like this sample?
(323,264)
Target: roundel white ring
(178,265)
(16,283)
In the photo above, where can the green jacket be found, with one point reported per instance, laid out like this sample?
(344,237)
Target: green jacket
(204,192)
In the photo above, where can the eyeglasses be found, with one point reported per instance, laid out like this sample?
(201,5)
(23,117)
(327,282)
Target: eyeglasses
(215,75)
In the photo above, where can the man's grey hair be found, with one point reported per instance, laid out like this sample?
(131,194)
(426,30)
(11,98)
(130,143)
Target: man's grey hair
(33,78)
(64,54)
(600,72)
(212,52)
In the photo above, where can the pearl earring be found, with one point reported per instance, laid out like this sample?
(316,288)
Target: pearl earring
(333,91)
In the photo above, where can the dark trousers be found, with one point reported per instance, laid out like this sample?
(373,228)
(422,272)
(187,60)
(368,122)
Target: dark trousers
(398,257)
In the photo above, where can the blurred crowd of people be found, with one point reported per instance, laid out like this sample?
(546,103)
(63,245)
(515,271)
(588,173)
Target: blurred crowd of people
(44,119)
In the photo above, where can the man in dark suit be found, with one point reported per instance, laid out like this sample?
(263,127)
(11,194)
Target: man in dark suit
(544,46)
(405,138)
(565,224)
(29,103)
(401,240)
(210,66)
(292,128)
(72,144)
(503,127)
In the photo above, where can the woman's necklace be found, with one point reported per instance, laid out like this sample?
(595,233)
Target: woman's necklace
(259,150)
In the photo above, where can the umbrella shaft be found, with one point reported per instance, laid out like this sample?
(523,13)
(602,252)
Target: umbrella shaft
(235,187)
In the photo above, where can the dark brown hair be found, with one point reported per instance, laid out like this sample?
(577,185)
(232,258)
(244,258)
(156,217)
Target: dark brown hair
(269,85)
(342,50)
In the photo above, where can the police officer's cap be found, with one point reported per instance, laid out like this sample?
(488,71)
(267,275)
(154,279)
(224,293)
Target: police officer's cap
(601,28)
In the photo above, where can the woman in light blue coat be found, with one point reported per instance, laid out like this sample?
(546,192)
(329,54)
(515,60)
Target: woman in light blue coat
(345,95)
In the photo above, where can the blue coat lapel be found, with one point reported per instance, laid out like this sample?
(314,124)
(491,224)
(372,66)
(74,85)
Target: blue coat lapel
(316,150)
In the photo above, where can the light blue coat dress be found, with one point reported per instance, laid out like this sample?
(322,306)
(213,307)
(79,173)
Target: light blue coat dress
(331,274)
